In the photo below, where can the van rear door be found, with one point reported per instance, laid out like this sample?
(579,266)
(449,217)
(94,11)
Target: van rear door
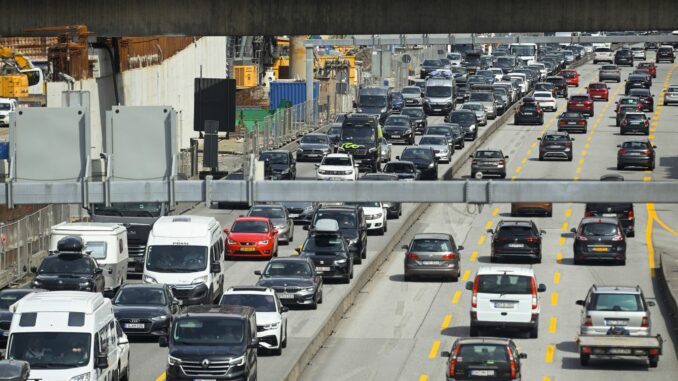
(505,298)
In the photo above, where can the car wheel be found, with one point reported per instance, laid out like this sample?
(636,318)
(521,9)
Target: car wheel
(314,305)
(385,225)
(320,301)
(654,361)
(584,359)
(276,351)
(534,331)
(622,262)
(541,157)
(619,167)
(474,331)
(652,166)
(347,279)
(363,254)
(569,158)
(381,231)
(284,341)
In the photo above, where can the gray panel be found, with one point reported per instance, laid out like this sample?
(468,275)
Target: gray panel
(49,144)
(141,142)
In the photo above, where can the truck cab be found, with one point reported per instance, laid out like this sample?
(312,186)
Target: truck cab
(361,138)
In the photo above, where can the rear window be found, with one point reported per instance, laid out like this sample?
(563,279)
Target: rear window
(665,50)
(513,231)
(635,145)
(597,86)
(603,50)
(571,115)
(554,138)
(568,74)
(431,245)
(616,302)
(672,89)
(635,116)
(579,98)
(608,67)
(488,155)
(504,284)
(486,354)
(599,229)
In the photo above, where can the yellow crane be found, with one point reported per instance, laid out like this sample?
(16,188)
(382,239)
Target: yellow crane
(18,77)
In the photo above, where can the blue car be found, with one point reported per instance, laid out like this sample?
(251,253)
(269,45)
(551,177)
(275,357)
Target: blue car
(397,101)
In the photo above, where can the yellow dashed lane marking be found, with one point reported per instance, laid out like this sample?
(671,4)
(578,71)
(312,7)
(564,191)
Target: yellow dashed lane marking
(434,350)
(554,299)
(466,275)
(456,297)
(550,350)
(446,322)
(474,256)
(552,325)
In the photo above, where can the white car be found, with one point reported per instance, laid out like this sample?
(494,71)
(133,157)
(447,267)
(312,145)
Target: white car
(455,59)
(271,314)
(6,105)
(603,55)
(546,100)
(543,72)
(123,346)
(505,297)
(498,73)
(523,84)
(375,216)
(638,53)
(337,166)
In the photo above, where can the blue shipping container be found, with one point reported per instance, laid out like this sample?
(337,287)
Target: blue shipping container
(286,92)
(4,150)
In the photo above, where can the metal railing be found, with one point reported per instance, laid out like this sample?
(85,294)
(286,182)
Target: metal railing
(21,239)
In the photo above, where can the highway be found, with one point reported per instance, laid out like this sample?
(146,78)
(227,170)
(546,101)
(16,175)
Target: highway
(396,330)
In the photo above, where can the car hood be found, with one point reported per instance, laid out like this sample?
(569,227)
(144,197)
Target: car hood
(411,96)
(396,128)
(64,278)
(247,236)
(285,282)
(139,312)
(266,318)
(278,221)
(372,210)
(313,146)
(200,352)
(335,168)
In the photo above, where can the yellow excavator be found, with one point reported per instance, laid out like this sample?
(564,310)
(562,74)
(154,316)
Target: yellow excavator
(18,77)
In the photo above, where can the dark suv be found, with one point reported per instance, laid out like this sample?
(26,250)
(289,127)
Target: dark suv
(424,158)
(328,249)
(212,342)
(623,57)
(517,239)
(69,269)
(555,145)
(665,53)
(560,85)
(352,225)
(599,238)
(528,112)
(483,358)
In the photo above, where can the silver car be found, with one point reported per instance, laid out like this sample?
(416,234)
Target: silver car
(432,254)
(412,95)
(277,213)
(615,306)
(486,98)
(441,146)
(479,109)
(609,73)
(385,150)
(671,95)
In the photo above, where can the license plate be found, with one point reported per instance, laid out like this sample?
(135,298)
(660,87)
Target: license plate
(134,326)
(431,262)
(529,113)
(437,109)
(247,249)
(634,153)
(285,295)
(503,305)
(204,379)
(516,245)
(294,216)
(600,249)
(580,104)
(554,147)
(312,155)
(322,268)
(482,373)
(609,215)
(571,122)
(619,351)
(395,136)
(616,322)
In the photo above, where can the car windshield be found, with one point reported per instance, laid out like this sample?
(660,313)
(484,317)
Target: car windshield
(672,89)
(346,220)
(433,140)
(51,350)
(413,113)
(504,284)
(274,157)
(260,303)
(579,98)
(296,269)
(66,264)
(5,106)
(608,67)
(600,229)
(462,117)
(543,86)
(130,296)
(208,331)
(629,101)
(358,134)
(437,131)
(635,116)
(473,107)
(416,154)
(555,138)
(411,90)
(523,50)
(483,354)
(597,86)
(337,161)
(637,78)
(505,61)
(571,115)
(431,63)
(431,245)
(314,139)
(248,226)
(324,244)
(438,91)
(9,298)
(372,100)
(176,258)
(632,145)
(616,302)
(398,168)
(129,209)
(488,155)
(267,212)
(396,121)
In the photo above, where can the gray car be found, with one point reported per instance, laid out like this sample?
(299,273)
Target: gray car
(432,254)
(277,213)
(412,95)
(386,149)
(615,306)
(441,146)
(609,73)
(488,162)
(479,109)
(486,98)
(314,147)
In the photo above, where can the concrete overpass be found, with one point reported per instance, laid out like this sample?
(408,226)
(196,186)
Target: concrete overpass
(299,17)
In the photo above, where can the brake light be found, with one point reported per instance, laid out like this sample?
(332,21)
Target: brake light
(630,215)
(412,256)
(581,123)
(646,123)
(586,350)
(647,152)
(645,323)
(512,363)
(474,298)
(624,122)
(453,361)
(622,152)
(588,322)
(534,294)
(653,351)
(532,240)
(501,162)
(588,213)
(561,122)
(449,256)
(517,108)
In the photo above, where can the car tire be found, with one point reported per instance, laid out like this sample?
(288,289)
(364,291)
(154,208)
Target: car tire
(381,231)
(473,331)
(276,351)
(358,261)
(584,359)
(363,255)
(653,361)
(619,167)
(503,175)
(284,341)
(385,225)
(407,278)
(622,262)
(541,157)
(534,331)
(569,158)
(314,305)
(322,295)
(651,167)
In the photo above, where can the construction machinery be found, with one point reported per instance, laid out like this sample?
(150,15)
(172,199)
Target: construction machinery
(18,77)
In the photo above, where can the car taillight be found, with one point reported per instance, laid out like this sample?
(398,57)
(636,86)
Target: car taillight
(474,298)
(449,256)
(586,350)
(561,122)
(588,213)
(412,256)
(645,323)
(501,162)
(588,322)
(453,361)
(624,122)
(517,108)
(532,240)
(534,294)
(581,123)
(622,152)
(512,363)
(646,123)
(630,215)
(647,152)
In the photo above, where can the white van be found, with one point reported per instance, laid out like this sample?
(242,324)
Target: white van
(74,329)
(105,242)
(186,252)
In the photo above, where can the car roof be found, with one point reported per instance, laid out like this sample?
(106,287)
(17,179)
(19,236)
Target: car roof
(431,236)
(609,289)
(400,162)
(515,223)
(232,311)
(290,259)
(143,285)
(599,220)
(276,151)
(378,176)
(341,155)
(563,133)
(342,208)
(493,270)
(249,290)
(270,206)
(483,340)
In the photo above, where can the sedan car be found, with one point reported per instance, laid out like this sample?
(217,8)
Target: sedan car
(467,120)
(295,281)
(636,154)
(277,213)
(555,145)
(399,128)
(301,212)
(279,164)
(609,73)
(599,238)
(405,170)
(417,117)
(432,254)
(424,159)
(486,162)
(479,109)
(516,239)
(412,95)
(253,237)
(454,133)
(145,309)
(572,121)
(483,358)
(546,100)
(314,147)
(598,91)
(580,103)
(328,249)
(635,122)
(440,145)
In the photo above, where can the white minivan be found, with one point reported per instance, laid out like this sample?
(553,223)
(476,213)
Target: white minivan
(68,335)
(186,252)
(105,242)
(505,298)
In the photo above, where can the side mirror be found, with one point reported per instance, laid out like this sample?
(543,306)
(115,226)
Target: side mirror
(404,247)
(215,268)
(110,271)
(317,165)
(460,248)
(523,355)
(541,288)
(654,146)
(101,361)
(539,138)
(573,230)
(275,231)
(34,269)
(254,344)
(297,251)
(98,271)
(505,156)
(226,231)
(491,231)
(470,156)
(651,303)
(469,285)
(397,157)
(444,354)
(163,342)
(579,302)
(284,309)
(257,272)
(542,231)
(618,145)
(572,139)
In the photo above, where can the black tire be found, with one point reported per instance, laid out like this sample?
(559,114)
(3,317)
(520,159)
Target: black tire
(534,331)
(541,157)
(358,261)
(407,278)
(474,331)
(473,175)
(620,167)
(503,175)
(654,361)
(631,234)
(569,158)
(363,255)
(320,301)
(385,225)
(277,351)
(116,375)
(584,359)
(577,261)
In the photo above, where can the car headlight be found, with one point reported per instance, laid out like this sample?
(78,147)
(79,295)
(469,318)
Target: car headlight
(264,242)
(341,149)
(172,361)
(200,279)
(85,284)
(271,326)
(149,279)
(431,165)
(472,127)
(300,149)
(340,262)
(159,318)
(80,377)
(238,361)
(232,242)
(373,149)
(37,283)
(567,150)
(322,172)
(360,110)
(378,215)
(348,172)
(281,227)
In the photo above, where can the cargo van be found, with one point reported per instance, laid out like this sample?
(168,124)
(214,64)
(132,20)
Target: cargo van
(186,252)
(440,96)
(105,242)
(67,335)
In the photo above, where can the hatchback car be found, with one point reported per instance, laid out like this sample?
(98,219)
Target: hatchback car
(671,95)
(599,238)
(145,309)
(328,249)
(441,146)
(638,53)
(277,213)
(405,170)
(516,239)
(580,103)
(488,162)
(253,237)
(665,54)
(645,97)
(635,122)
(598,91)
(279,164)
(560,85)
(295,281)
(314,147)
(609,73)
(424,158)
(467,120)
(636,154)
(432,254)
(417,117)
(479,109)
(623,57)
(546,100)
(615,306)
(556,145)
(352,224)
(398,128)
(571,77)
(481,358)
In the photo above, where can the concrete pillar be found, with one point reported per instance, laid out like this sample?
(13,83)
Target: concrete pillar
(297,58)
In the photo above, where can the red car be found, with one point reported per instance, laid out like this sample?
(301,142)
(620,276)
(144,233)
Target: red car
(650,67)
(580,103)
(251,237)
(571,77)
(598,90)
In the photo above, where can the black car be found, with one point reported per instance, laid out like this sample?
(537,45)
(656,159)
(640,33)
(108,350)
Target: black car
(636,81)
(572,121)
(622,111)
(634,122)
(429,66)
(646,98)
(328,249)
(417,117)
(314,147)
(623,57)
(404,170)
(145,309)
(398,128)
(282,164)
(455,134)
(295,281)
(636,154)
(301,212)
(599,238)
(528,113)
(666,54)
(352,224)
(8,297)
(334,133)
(483,358)
(556,145)
(559,84)
(394,209)
(463,91)
(516,239)
(467,119)
(424,158)
(206,341)
(70,270)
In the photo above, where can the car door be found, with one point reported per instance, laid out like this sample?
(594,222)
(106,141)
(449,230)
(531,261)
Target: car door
(273,235)
(293,165)
(123,351)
